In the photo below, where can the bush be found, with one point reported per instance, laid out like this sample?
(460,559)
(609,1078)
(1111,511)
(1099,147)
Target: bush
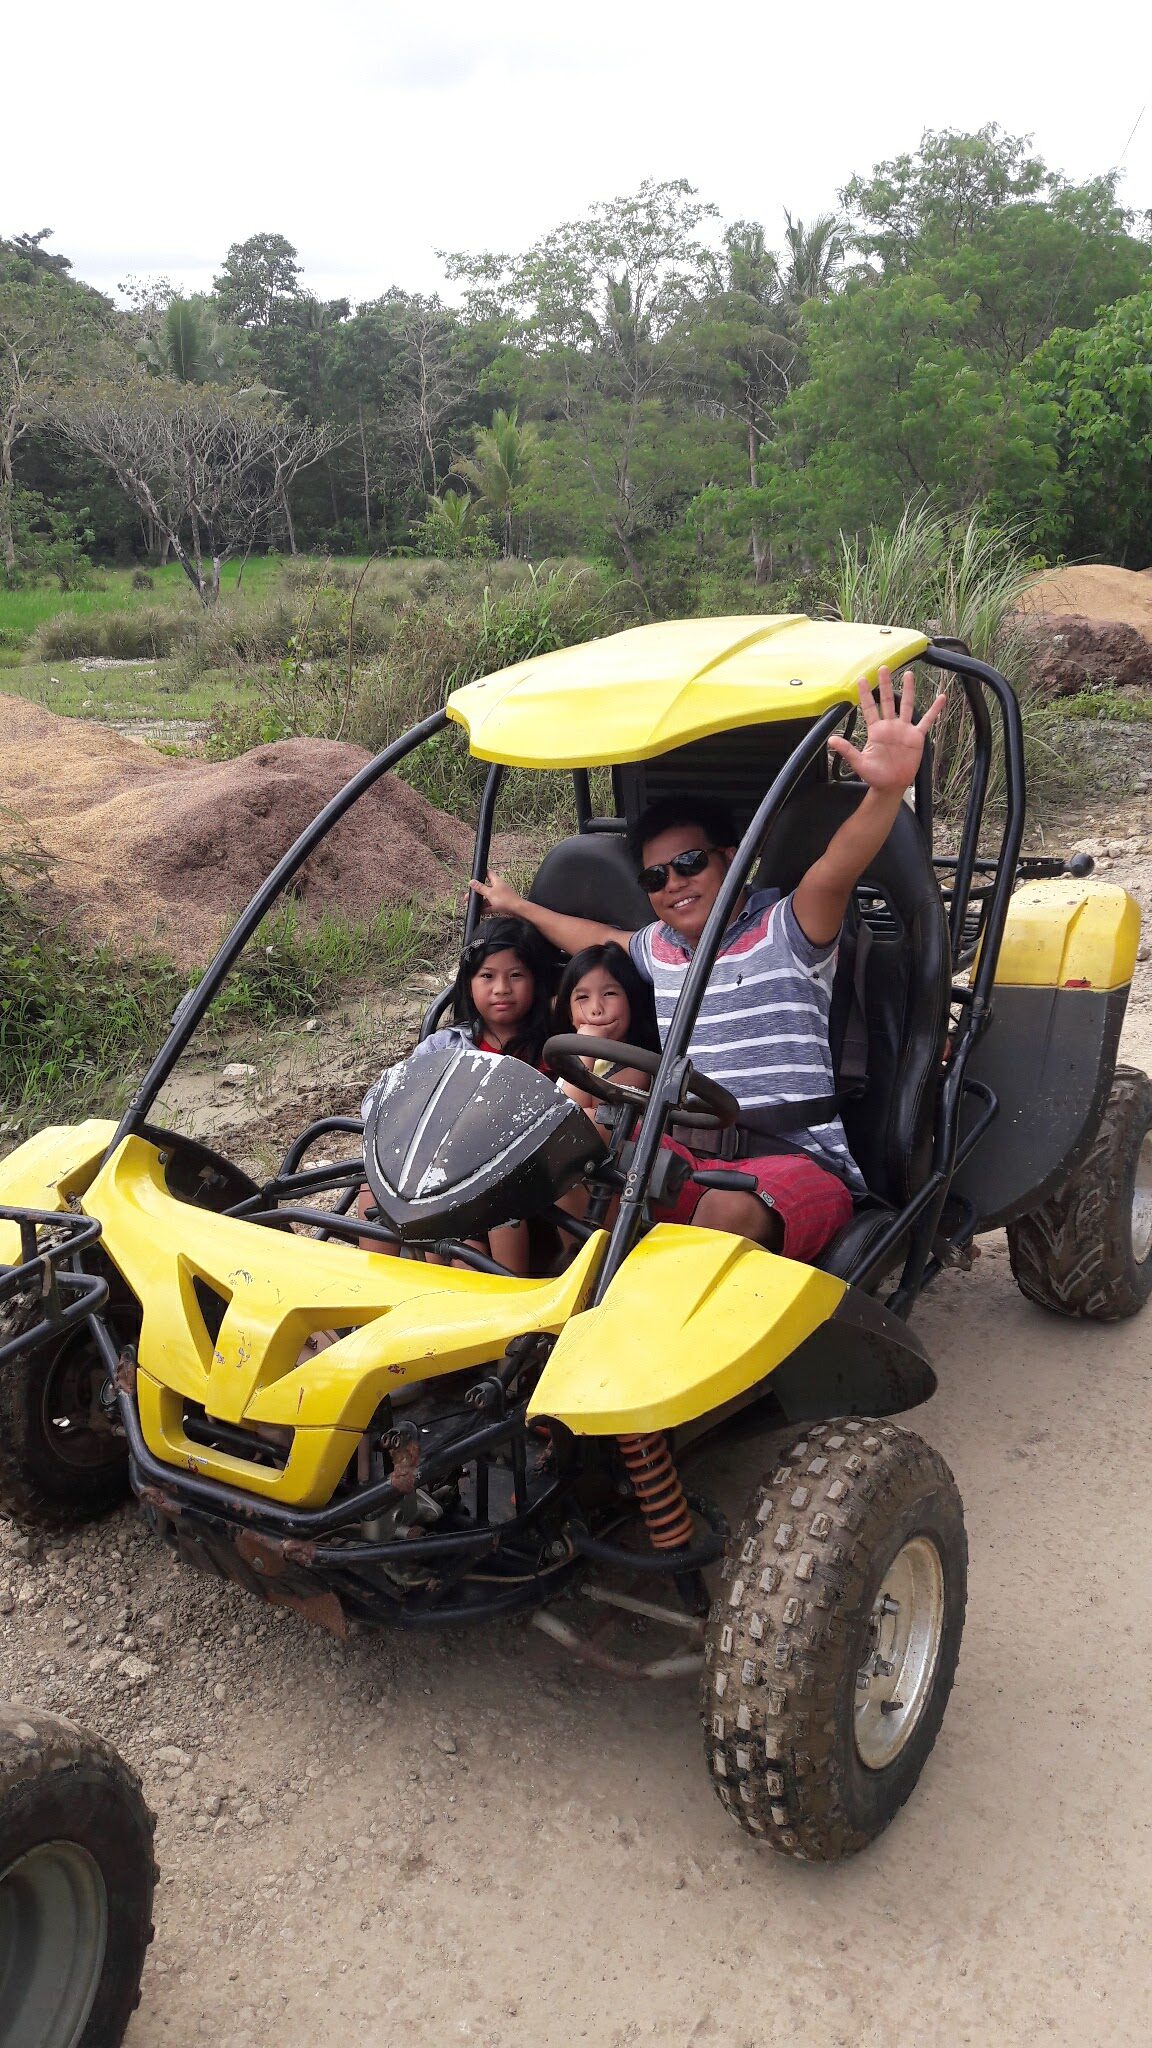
(141,633)
(141,580)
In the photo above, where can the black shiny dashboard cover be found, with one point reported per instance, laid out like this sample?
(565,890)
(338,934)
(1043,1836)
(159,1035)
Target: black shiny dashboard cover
(458,1141)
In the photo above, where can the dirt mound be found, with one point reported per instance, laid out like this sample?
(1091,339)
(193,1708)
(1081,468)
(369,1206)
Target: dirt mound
(1096,590)
(151,851)
(1069,653)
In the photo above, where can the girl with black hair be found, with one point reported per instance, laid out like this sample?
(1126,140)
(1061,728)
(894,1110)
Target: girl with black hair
(601,995)
(501,998)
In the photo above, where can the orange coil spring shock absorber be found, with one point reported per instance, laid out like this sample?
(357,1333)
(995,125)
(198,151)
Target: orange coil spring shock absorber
(656,1484)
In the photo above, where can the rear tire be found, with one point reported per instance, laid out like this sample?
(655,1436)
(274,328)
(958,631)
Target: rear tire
(1087,1250)
(61,1461)
(821,1703)
(77,1878)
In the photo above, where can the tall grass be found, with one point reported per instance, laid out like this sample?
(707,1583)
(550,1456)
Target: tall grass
(442,644)
(955,581)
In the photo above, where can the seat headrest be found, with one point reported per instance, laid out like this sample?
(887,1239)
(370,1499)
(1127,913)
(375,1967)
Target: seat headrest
(592,876)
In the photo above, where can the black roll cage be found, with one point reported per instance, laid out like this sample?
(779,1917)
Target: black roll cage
(977,910)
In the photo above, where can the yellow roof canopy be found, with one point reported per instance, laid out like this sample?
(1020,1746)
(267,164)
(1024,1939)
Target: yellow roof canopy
(640,693)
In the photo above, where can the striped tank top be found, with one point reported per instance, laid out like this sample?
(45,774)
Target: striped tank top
(762,1029)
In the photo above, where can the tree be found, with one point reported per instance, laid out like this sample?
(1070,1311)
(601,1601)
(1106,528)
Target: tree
(896,407)
(209,469)
(750,339)
(453,528)
(937,199)
(500,467)
(190,344)
(48,327)
(1100,501)
(260,278)
(815,257)
(597,309)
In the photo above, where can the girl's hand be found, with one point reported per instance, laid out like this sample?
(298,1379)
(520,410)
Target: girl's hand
(893,746)
(498,897)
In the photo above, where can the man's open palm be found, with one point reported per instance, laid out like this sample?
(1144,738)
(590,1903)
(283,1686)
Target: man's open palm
(893,745)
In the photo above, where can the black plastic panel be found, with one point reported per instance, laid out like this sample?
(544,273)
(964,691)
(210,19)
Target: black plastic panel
(459,1141)
(1049,1054)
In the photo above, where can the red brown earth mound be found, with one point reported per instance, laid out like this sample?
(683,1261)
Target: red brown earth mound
(1069,653)
(155,852)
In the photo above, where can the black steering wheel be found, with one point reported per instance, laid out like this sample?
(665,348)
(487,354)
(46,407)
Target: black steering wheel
(567,1053)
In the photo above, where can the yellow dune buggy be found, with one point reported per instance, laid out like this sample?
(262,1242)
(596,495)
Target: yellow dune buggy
(475,1443)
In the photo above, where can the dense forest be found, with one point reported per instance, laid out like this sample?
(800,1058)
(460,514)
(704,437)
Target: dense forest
(647,386)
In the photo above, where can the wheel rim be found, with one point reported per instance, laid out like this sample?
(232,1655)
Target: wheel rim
(53,1937)
(75,1424)
(904,1632)
(1142,1203)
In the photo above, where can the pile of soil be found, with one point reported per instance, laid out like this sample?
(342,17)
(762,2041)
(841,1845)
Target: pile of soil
(1096,590)
(1069,653)
(150,851)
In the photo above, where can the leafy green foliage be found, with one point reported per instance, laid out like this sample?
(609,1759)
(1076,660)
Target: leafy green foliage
(1099,383)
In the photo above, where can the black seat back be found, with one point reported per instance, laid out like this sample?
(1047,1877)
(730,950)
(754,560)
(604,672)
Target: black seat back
(907,981)
(592,876)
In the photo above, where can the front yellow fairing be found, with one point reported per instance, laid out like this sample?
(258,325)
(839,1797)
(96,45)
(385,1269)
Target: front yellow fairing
(408,1322)
(634,695)
(692,1319)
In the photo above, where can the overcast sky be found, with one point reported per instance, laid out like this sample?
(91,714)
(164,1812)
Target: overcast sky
(373,134)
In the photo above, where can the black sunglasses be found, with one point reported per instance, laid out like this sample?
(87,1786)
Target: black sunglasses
(683,864)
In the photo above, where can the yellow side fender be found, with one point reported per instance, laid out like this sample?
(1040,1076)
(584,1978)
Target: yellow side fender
(1070,933)
(692,1319)
(57,1163)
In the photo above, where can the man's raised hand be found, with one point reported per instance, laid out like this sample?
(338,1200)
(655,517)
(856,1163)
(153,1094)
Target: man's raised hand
(893,745)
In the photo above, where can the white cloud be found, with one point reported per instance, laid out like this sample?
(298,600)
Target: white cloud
(371,136)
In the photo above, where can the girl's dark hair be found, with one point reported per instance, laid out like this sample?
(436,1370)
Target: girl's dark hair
(508,935)
(616,962)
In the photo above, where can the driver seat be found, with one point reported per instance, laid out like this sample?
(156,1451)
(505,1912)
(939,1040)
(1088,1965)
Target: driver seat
(906,994)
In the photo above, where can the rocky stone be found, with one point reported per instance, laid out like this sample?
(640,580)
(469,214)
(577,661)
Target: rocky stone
(237,1074)
(1068,653)
(135,1669)
(169,1753)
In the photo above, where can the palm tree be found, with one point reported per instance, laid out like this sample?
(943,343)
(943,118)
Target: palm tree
(815,255)
(454,520)
(192,347)
(503,459)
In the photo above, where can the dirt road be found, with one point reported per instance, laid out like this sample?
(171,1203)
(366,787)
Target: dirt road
(470,1840)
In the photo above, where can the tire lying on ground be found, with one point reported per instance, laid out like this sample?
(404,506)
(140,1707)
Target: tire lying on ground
(76,1882)
(830,1653)
(1087,1250)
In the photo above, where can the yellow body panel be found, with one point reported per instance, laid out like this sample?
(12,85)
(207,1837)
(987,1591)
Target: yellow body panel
(409,1322)
(636,694)
(57,1163)
(1066,933)
(691,1320)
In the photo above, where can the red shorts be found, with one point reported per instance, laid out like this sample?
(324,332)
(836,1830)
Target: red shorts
(811,1203)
